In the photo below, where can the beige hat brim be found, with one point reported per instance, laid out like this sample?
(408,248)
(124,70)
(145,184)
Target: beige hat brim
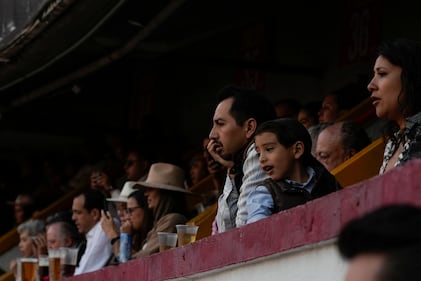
(162,186)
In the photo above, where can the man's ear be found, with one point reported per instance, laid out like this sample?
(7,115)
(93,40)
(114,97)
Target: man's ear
(351,152)
(68,242)
(250,127)
(342,112)
(298,149)
(96,214)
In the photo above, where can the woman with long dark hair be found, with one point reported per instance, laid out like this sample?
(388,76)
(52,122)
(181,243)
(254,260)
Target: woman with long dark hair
(165,195)
(396,95)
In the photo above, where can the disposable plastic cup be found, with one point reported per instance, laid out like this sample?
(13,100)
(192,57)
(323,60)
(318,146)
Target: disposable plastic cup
(28,269)
(54,256)
(68,260)
(186,234)
(167,240)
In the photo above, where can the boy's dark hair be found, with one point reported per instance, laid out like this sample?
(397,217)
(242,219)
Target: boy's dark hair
(288,131)
(247,104)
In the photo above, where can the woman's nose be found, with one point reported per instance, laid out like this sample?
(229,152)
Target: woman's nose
(371,86)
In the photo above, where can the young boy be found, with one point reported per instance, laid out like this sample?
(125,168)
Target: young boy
(284,150)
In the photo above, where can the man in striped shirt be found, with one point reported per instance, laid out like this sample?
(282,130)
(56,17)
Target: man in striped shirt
(236,117)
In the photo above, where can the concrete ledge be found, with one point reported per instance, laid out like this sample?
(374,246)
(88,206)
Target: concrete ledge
(314,222)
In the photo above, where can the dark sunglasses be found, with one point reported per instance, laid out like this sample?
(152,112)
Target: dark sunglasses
(131,210)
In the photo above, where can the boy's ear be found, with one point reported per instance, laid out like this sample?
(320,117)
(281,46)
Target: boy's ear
(250,127)
(298,149)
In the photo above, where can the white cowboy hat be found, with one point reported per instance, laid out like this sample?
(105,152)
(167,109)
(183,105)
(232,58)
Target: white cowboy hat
(125,192)
(165,176)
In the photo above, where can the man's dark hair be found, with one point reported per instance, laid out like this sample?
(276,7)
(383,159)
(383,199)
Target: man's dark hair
(354,136)
(383,230)
(393,231)
(401,265)
(94,199)
(247,104)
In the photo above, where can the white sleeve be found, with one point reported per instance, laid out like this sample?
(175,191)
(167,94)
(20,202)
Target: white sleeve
(252,178)
(98,252)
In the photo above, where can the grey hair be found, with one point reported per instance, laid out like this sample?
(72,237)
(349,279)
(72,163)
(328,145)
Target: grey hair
(33,227)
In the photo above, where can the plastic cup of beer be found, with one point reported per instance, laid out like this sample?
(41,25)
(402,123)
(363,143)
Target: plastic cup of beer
(18,270)
(186,234)
(167,240)
(43,266)
(29,269)
(54,256)
(68,261)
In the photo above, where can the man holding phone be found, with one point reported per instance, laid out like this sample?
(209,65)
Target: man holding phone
(86,210)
